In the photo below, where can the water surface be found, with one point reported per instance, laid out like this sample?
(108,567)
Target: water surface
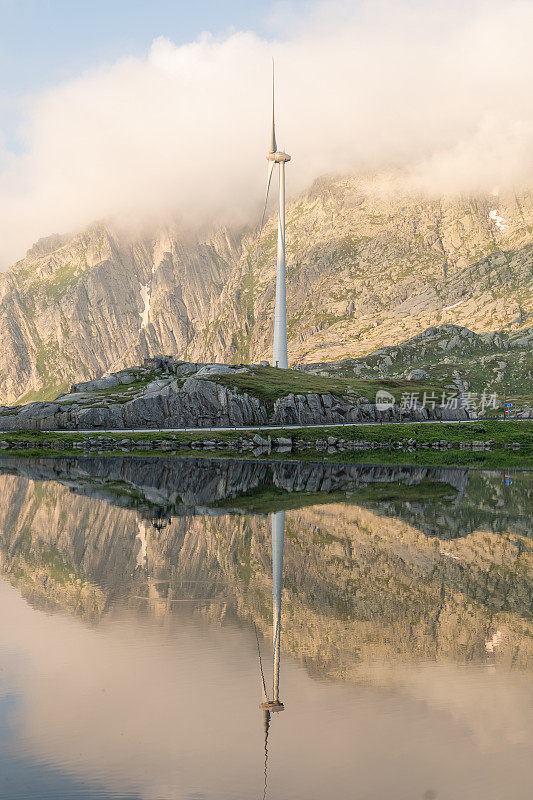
(134,594)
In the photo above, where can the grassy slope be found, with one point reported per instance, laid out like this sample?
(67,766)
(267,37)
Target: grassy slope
(48,392)
(269,383)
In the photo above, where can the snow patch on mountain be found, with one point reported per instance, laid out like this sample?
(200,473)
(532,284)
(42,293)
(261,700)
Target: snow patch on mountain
(145,296)
(454,305)
(498,221)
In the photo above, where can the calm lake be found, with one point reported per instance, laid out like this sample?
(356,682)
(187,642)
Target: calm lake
(198,629)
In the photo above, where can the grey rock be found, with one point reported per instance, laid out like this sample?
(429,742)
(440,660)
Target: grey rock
(110,417)
(417,375)
(218,369)
(95,385)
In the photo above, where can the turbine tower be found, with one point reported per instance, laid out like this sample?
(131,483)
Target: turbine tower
(275,156)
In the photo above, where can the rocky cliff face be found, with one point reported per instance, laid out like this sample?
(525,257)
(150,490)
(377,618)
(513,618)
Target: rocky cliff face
(368,265)
(101,300)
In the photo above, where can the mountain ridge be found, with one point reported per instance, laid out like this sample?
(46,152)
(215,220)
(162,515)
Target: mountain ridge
(368,263)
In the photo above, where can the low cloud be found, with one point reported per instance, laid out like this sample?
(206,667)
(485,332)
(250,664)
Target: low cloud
(439,89)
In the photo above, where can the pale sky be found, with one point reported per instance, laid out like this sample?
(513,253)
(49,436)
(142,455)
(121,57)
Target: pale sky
(141,109)
(44,42)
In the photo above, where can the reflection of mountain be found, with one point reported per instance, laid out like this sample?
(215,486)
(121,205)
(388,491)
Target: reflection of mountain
(447,502)
(364,581)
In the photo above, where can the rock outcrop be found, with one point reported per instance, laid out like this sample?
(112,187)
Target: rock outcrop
(187,395)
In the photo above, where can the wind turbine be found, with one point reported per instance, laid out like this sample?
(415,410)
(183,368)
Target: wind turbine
(275,156)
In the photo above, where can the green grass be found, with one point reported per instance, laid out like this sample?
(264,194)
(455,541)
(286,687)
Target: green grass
(269,384)
(495,459)
(496,430)
(499,432)
(49,392)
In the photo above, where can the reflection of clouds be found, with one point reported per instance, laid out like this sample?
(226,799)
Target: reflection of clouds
(492,704)
(84,708)
(172,713)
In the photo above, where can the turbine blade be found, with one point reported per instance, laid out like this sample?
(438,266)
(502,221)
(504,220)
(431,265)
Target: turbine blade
(271,166)
(263,684)
(273,145)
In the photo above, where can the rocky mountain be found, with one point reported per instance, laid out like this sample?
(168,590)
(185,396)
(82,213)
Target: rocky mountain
(369,265)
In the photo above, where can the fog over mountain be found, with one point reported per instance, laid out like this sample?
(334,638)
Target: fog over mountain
(440,90)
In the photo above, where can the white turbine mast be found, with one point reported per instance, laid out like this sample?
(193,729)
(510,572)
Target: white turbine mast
(275,156)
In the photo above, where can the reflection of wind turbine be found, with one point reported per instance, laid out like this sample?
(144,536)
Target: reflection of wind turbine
(266,726)
(278,535)
(268,706)
(275,156)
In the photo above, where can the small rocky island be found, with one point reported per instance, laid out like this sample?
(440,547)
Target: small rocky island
(168,393)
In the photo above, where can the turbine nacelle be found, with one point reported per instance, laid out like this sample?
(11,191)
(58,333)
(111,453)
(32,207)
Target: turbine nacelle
(278,157)
(272,705)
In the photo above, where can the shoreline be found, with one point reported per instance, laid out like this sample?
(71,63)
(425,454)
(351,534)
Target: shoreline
(482,444)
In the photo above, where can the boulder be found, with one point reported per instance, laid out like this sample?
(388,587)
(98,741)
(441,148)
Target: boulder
(97,384)
(218,369)
(417,375)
